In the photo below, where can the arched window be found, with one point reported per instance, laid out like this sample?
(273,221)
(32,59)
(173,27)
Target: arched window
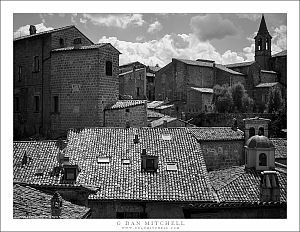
(259,44)
(108,68)
(251,132)
(267,44)
(261,131)
(262,159)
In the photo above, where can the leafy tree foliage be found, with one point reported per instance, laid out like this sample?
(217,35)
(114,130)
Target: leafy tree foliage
(275,102)
(222,99)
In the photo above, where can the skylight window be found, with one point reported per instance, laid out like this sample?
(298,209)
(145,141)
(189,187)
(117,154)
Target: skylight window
(172,167)
(166,137)
(103,160)
(125,161)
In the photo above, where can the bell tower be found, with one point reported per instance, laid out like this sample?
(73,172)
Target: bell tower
(263,45)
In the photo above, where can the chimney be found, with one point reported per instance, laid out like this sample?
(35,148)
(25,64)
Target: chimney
(136,139)
(77,43)
(234,124)
(144,151)
(269,187)
(165,123)
(32,30)
(56,205)
(24,159)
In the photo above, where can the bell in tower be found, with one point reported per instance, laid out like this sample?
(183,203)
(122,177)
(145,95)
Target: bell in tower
(263,45)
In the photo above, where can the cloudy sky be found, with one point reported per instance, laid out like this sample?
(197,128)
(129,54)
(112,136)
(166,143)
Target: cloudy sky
(157,38)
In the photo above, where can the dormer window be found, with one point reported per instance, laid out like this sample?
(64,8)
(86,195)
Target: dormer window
(172,167)
(70,172)
(149,163)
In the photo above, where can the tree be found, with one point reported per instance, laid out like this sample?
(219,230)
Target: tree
(275,102)
(242,102)
(222,99)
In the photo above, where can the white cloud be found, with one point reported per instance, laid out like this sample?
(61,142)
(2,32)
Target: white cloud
(155,27)
(252,17)
(82,20)
(278,42)
(139,38)
(212,26)
(24,30)
(121,21)
(73,17)
(170,46)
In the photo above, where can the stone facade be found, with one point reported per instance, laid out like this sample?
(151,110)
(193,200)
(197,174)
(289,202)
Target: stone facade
(222,154)
(79,80)
(133,83)
(32,68)
(135,116)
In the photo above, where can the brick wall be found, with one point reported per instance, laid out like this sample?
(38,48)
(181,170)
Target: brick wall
(136,117)
(222,154)
(78,78)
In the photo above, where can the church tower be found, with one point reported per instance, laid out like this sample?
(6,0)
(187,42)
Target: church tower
(263,45)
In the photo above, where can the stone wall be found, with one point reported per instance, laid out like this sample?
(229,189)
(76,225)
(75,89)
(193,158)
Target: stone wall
(78,78)
(222,154)
(267,77)
(133,116)
(228,78)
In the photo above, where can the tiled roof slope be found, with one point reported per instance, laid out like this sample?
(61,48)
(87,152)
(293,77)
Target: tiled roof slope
(30,203)
(122,104)
(196,63)
(216,133)
(266,85)
(127,182)
(161,121)
(83,47)
(44,32)
(283,53)
(280,147)
(117,181)
(243,64)
(239,185)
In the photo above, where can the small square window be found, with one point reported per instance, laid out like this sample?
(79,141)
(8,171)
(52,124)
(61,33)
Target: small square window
(166,137)
(172,167)
(127,110)
(125,161)
(70,174)
(103,160)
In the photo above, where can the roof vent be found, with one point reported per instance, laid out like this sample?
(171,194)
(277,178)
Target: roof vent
(103,160)
(136,139)
(39,172)
(125,161)
(32,30)
(77,43)
(172,167)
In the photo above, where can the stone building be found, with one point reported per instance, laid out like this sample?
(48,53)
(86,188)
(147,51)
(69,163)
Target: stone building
(266,71)
(189,84)
(32,75)
(62,80)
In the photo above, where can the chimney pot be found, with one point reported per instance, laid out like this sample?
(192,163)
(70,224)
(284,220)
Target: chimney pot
(136,139)
(56,205)
(32,30)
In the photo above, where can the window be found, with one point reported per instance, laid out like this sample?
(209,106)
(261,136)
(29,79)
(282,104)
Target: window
(17,104)
(55,100)
(262,159)
(20,73)
(103,160)
(127,110)
(36,103)
(261,131)
(149,163)
(172,167)
(138,91)
(36,64)
(108,68)
(251,132)
(260,44)
(61,42)
(267,44)
(70,174)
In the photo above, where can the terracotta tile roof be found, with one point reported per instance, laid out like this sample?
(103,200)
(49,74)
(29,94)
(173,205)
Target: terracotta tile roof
(216,133)
(31,203)
(44,32)
(153,104)
(161,121)
(282,53)
(154,114)
(234,205)
(122,104)
(266,85)
(237,184)
(115,180)
(224,68)
(280,147)
(243,64)
(203,90)
(83,47)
